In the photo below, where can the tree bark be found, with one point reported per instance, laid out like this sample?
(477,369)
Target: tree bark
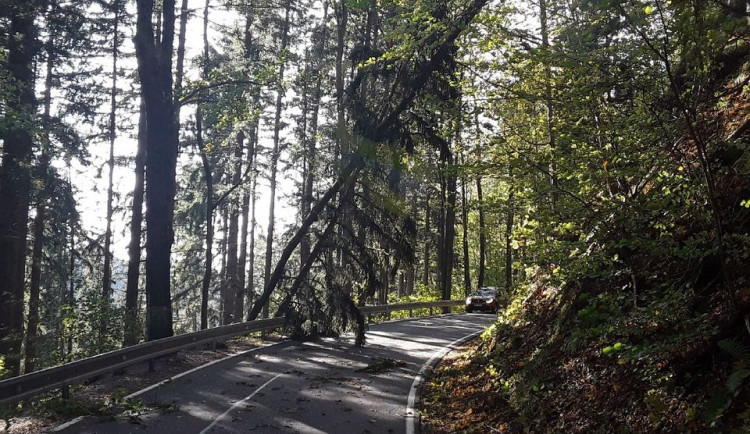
(482,235)
(448,230)
(312,139)
(71,295)
(276,147)
(136,231)
(239,305)
(209,220)
(465,228)
(342,16)
(549,103)
(35,283)
(508,247)
(107,272)
(222,251)
(42,177)
(304,247)
(251,250)
(155,71)
(233,236)
(180,67)
(427,236)
(15,181)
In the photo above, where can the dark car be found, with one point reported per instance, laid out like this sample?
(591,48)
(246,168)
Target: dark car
(484,299)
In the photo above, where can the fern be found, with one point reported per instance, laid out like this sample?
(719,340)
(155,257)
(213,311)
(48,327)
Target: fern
(738,350)
(720,401)
(717,404)
(736,379)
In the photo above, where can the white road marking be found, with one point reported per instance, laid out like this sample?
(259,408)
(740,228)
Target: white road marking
(198,368)
(412,415)
(171,379)
(67,424)
(238,403)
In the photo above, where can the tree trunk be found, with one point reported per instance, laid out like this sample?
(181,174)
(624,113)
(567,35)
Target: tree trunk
(342,19)
(15,181)
(276,148)
(136,230)
(208,176)
(549,103)
(383,293)
(209,221)
(341,133)
(42,177)
(304,247)
(465,227)
(179,73)
(251,250)
(427,236)
(239,305)
(410,277)
(482,235)
(312,141)
(223,252)
(508,247)
(35,284)
(155,71)
(233,235)
(107,273)
(448,232)
(71,296)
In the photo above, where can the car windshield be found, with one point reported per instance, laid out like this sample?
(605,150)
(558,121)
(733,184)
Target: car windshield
(485,292)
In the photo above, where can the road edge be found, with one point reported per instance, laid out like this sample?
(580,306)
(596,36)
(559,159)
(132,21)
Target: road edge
(412,414)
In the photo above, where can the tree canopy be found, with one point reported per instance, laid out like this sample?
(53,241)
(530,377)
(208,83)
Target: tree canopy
(304,158)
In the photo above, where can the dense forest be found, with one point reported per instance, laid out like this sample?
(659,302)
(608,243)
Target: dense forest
(589,158)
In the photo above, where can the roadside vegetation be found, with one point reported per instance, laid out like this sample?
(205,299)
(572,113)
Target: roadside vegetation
(630,242)
(588,158)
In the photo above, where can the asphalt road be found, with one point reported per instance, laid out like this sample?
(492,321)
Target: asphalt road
(310,387)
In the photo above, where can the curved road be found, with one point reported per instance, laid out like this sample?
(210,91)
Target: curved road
(310,387)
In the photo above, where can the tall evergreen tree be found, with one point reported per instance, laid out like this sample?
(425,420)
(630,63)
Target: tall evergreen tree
(154,54)
(15,175)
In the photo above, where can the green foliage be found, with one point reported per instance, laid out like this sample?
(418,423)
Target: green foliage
(612,349)
(722,400)
(736,349)
(736,379)
(716,405)
(3,371)
(69,408)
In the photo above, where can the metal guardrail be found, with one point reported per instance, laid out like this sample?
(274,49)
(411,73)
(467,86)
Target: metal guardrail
(24,386)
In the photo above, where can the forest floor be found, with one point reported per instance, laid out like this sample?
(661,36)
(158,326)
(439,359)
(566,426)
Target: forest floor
(456,397)
(659,370)
(102,395)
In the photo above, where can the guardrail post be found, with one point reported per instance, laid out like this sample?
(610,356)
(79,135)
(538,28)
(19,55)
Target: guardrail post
(65,392)
(411,313)
(431,311)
